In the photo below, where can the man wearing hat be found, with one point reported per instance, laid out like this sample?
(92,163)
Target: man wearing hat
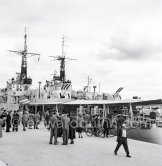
(122,139)
(53,128)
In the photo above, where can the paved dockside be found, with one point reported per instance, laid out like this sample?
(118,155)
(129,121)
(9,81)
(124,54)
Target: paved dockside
(31,148)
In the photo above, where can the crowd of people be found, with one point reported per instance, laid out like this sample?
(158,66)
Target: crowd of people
(11,120)
(66,125)
(62,125)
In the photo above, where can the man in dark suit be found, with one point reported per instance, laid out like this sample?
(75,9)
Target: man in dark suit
(53,128)
(106,126)
(8,122)
(65,129)
(122,139)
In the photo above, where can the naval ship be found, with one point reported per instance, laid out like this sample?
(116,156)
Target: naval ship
(18,90)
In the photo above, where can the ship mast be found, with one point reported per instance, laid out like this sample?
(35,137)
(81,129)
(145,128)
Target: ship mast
(23,74)
(62,59)
(62,65)
(24,54)
(87,88)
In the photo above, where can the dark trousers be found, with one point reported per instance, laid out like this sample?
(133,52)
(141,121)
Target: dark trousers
(15,128)
(8,128)
(65,135)
(122,141)
(53,133)
(24,125)
(35,125)
(106,132)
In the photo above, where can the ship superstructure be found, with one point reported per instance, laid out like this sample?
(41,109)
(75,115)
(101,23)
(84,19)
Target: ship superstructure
(59,87)
(88,94)
(18,88)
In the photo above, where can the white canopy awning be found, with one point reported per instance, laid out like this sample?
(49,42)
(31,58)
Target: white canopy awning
(50,101)
(24,101)
(98,102)
(114,102)
(94,102)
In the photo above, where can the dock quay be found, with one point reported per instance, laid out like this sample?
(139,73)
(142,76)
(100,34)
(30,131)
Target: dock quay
(31,148)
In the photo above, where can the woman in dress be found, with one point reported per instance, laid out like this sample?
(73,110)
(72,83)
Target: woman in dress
(72,127)
(80,126)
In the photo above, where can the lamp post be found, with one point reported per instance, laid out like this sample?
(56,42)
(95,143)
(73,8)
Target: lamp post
(94,88)
(39,88)
(94,91)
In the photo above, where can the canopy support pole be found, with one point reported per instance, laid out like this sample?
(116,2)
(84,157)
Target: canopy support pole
(104,112)
(57,109)
(131,110)
(35,109)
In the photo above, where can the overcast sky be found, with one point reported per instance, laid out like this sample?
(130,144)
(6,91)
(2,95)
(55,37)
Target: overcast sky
(118,43)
